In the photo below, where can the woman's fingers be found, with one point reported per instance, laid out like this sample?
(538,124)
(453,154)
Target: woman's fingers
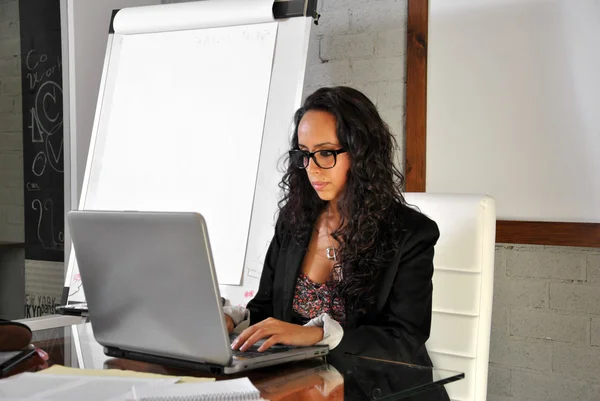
(274,339)
(242,337)
(257,335)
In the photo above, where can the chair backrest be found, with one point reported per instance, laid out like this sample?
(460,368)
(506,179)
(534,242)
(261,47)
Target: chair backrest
(463,283)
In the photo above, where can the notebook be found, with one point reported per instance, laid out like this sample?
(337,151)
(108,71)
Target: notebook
(234,389)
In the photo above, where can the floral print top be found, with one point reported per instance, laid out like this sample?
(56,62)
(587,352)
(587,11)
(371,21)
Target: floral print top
(312,299)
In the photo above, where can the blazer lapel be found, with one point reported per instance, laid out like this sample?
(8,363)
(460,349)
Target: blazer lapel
(387,281)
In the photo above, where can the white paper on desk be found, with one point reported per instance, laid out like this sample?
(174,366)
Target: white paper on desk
(232,389)
(30,386)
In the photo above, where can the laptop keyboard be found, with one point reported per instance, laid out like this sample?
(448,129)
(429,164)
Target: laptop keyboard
(252,352)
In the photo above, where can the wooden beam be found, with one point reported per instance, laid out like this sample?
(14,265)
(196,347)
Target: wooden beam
(416,95)
(548,233)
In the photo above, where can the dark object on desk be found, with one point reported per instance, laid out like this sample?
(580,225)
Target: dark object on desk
(13,336)
(12,280)
(10,360)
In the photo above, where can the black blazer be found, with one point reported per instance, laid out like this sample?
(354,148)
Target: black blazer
(397,325)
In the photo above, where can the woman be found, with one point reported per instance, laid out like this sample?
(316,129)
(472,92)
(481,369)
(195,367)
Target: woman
(350,264)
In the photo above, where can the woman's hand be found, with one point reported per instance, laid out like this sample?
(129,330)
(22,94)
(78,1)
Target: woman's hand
(277,332)
(230,325)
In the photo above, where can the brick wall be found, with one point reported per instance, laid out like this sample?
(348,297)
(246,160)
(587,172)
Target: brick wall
(362,43)
(546,324)
(11,136)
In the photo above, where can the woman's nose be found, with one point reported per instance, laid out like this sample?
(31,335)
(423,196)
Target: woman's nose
(312,166)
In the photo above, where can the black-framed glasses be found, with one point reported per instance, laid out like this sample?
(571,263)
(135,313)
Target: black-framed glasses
(323,158)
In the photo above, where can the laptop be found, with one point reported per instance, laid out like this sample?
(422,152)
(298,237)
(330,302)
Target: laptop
(152,293)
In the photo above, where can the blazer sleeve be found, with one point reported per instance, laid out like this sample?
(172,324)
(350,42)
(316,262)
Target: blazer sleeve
(261,306)
(400,331)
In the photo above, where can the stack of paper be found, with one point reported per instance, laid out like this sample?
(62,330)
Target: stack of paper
(67,384)
(235,389)
(48,387)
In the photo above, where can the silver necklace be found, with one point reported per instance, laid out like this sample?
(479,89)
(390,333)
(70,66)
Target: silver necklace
(330,252)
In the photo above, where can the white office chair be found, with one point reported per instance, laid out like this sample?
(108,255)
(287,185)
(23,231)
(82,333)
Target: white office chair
(463,283)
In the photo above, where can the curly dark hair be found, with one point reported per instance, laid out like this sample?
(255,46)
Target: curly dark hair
(369,201)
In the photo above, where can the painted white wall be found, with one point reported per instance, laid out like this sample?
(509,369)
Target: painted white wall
(513,95)
(85,25)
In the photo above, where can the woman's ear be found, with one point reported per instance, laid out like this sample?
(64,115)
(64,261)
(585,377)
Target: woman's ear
(13,336)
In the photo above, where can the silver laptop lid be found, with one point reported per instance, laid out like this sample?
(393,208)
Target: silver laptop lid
(150,283)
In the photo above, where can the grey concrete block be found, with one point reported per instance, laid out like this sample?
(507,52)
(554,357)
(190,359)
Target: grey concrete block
(11,181)
(307,91)
(9,174)
(549,387)
(391,42)
(7,104)
(10,141)
(394,117)
(9,161)
(370,90)
(348,46)
(593,268)
(12,232)
(11,197)
(9,11)
(498,380)
(9,30)
(549,326)
(582,362)
(494,397)
(581,298)
(326,74)
(392,94)
(380,15)
(10,87)
(16,214)
(10,48)
(314,48)
(521,293)
(334,22)
(10,67)
(500,320)
(500,262)
(595,389)
(11,123)
(328,5)
(596,331)
(378,69)
(520,352)
(544,264)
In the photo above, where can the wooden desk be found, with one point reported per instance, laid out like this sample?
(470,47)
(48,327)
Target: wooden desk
(349,378)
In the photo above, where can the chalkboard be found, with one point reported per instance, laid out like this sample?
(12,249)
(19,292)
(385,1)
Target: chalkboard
(43,149)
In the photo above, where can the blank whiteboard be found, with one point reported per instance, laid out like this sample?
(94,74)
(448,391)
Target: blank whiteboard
(513,93)
(149,151)
(179,130)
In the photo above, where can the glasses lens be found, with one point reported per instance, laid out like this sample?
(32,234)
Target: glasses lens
(325,159)
(298,159)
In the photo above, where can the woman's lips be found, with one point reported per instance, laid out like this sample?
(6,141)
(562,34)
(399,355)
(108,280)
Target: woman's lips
(319,185)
